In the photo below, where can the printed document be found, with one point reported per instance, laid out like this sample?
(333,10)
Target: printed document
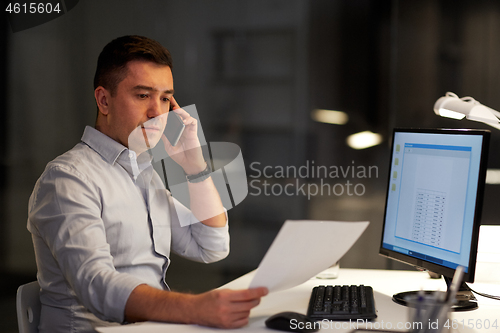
(303,249)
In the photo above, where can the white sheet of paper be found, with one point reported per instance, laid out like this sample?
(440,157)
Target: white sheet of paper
(302,249)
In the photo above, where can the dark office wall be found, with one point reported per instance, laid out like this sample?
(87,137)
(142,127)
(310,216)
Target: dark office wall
(449,46)
(385,63)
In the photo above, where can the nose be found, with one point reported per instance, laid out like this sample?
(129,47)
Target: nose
(156,109)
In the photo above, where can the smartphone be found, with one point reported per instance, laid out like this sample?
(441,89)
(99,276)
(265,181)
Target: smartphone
(175,128)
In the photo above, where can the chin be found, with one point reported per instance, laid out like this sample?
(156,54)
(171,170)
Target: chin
(154,138)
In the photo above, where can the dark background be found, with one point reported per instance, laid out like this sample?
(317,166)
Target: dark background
(255,70)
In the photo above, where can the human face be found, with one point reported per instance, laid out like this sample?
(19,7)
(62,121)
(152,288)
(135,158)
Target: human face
(137,113)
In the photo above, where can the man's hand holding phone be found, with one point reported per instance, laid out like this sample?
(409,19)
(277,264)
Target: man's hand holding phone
(181,140)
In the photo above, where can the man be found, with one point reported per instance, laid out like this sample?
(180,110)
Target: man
(102,223)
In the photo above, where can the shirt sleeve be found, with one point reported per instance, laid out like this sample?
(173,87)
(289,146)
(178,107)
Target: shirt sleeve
(197,241)
(65,211)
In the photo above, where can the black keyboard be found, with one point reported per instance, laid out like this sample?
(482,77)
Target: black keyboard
(342,303)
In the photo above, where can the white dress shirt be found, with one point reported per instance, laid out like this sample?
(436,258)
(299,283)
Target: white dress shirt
(101,223)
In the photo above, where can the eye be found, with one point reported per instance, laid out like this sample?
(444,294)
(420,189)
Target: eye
(143,96)
(165,99)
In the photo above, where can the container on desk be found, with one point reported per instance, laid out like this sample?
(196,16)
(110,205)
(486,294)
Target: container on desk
(331,272)
(428,313)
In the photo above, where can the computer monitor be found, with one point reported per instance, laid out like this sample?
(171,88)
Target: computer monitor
(434,202)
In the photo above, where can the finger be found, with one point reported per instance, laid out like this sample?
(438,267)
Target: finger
(247,294)
(171,150)
(240,322)
(181,112)
(173,103)
(235,320)
(242,306)
(190,121)
(261,291)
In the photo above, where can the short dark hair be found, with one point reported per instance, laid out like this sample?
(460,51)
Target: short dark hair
(112,62)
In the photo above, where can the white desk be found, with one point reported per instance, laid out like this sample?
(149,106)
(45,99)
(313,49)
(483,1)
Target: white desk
(385,284)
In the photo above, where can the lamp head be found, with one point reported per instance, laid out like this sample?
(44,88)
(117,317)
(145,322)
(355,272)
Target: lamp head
(451,106)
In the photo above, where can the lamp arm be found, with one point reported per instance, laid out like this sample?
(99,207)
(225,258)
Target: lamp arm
(495,112)
(497,126)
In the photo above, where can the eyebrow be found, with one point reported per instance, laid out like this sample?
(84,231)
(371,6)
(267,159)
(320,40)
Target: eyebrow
(140,87)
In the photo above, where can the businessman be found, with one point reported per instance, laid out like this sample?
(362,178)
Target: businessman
(103,224)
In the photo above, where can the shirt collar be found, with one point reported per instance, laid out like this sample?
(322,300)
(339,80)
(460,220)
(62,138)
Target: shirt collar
(113,151)
(108,148)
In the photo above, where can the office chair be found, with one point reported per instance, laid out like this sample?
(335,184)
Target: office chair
(28,307)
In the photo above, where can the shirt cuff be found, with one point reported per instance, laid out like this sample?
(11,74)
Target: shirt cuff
(212,238)
(118,293)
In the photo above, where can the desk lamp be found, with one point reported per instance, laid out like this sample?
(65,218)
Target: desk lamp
(457,108)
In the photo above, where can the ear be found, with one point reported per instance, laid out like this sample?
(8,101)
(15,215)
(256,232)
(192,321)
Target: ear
(102,97)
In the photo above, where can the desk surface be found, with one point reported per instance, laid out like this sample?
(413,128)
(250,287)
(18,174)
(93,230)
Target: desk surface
(385,283)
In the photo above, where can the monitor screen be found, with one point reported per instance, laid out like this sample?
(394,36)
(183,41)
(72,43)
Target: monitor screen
(434,199)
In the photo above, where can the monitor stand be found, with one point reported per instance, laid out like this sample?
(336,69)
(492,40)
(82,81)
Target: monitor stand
(466,301)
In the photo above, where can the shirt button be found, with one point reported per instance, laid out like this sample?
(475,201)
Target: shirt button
(131,155)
